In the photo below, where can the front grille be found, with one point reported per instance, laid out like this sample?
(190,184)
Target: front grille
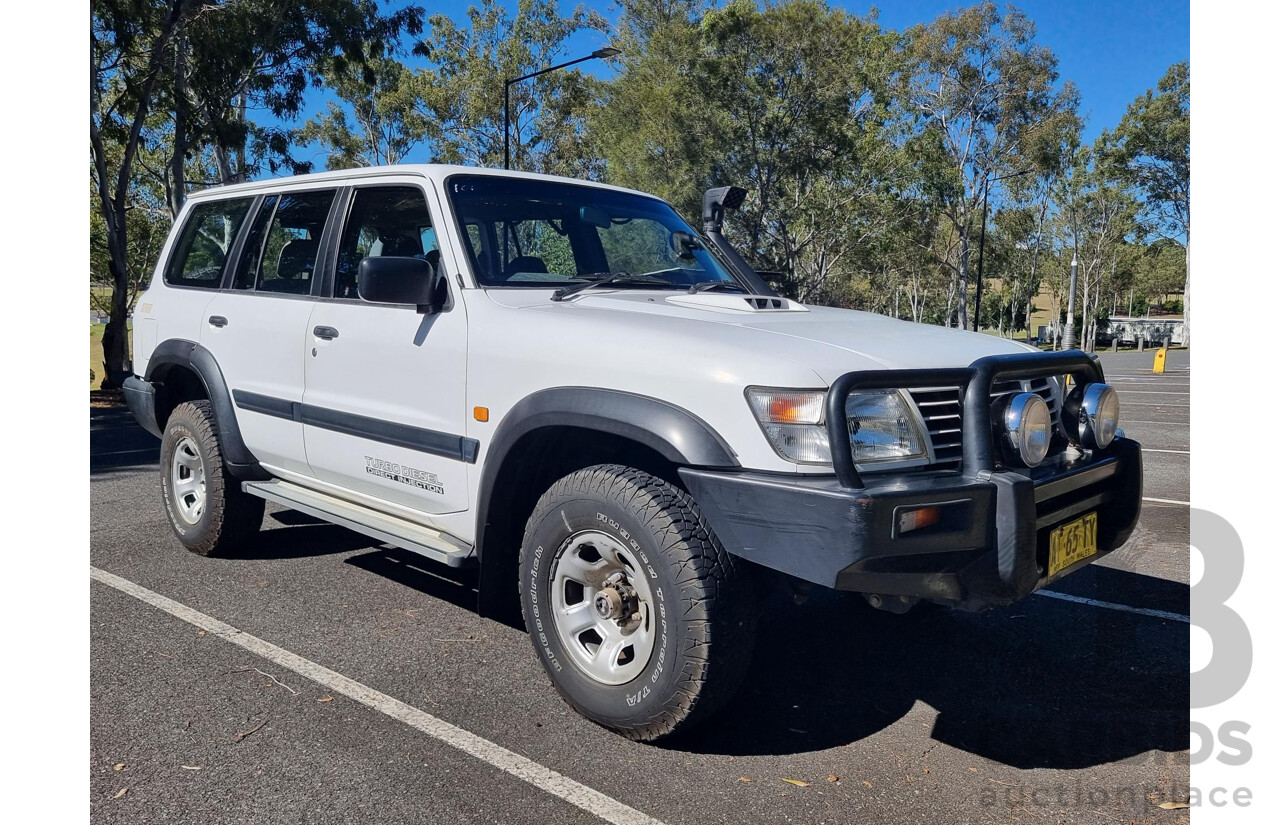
(941,409)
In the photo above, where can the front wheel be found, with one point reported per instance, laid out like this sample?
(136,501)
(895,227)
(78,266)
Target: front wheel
(643,621)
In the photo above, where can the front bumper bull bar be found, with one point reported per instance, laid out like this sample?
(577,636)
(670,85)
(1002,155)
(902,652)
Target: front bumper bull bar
(991,546)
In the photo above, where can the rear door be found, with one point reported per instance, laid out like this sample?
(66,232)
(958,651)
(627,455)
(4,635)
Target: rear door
(384,411)
(257,329)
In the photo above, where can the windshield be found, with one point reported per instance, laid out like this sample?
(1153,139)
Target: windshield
(531,233)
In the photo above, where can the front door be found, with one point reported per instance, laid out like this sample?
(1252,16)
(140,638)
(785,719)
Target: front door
(384,406)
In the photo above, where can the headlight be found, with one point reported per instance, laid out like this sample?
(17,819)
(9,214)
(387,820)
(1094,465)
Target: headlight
(1028,427)
(883,426)
(1093,415)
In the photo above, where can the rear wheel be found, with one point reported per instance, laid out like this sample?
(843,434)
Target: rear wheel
(643,621)
(208,511)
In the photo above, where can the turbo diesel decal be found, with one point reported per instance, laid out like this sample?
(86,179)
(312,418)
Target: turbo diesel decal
(403,474)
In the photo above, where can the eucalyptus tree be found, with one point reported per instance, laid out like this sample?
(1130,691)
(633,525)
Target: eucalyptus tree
(179,77)
(1096,216)
(128,47)
(237,57)
(1152,149)
(987,101)
(371,123)
(459,94)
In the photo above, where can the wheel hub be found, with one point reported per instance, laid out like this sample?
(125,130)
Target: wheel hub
(618,600)
(186,475)
(602,607)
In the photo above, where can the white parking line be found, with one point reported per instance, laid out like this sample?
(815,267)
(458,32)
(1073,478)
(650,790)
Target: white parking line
(588,799)
(1127,422)
(1175,452)
(1166,501)
(1153,392)
(1143,611)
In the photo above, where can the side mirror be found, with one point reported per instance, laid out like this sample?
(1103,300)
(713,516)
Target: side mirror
(685,244)
(393,280)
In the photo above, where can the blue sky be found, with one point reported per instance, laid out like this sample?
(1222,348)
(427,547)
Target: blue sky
(1113,51)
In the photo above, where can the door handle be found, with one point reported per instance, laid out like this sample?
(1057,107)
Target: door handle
(325,333)
(217,321)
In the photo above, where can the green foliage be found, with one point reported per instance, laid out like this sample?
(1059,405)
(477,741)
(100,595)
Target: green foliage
(1151,148)
(985,96)
(371,123)
(869,153)
(1151,151)
(459,96)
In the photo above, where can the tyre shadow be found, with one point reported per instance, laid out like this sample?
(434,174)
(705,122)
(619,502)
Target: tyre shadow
(1045,683)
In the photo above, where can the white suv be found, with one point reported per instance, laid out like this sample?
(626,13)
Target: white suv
(610,414)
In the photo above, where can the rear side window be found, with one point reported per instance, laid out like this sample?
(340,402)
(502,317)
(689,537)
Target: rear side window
(200,255)
(283,245)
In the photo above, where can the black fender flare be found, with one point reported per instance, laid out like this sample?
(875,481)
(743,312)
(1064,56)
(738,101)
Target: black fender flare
(176,352)
(673,432)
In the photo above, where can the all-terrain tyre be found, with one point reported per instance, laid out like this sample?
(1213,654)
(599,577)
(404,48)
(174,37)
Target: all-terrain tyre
(643,621)
(209,512)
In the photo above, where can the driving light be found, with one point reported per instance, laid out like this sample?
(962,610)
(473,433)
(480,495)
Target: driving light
(1093,415)
(1028,428)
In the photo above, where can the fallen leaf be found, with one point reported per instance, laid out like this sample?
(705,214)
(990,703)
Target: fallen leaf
(926,770)
(325,699)
(743,779)
(1173,806)
(973,770)
(119,766)
(866,782)
(833,778)
(799,783)
(120,793)
(201,633)
(190,768)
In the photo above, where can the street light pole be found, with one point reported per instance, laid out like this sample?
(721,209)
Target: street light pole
(1069,336)
(606,52)
(982,242)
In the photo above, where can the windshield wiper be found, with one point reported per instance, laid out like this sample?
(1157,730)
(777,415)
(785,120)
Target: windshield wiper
(608,279)
(707,286)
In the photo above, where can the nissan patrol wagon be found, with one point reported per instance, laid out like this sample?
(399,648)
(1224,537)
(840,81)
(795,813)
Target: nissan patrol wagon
(610,414)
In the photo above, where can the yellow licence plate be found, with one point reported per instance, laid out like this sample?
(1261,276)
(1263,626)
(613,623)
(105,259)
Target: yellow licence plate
(1073,542)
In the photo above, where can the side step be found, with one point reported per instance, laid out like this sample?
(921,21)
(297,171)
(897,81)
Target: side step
(391,529)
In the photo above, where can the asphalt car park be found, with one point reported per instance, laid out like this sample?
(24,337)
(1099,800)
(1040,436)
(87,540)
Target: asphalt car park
(322,677)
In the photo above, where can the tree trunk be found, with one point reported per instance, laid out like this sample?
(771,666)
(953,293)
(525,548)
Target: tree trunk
(115,338)
(1186,297)
(963,287)
(113,191)
(178,186)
